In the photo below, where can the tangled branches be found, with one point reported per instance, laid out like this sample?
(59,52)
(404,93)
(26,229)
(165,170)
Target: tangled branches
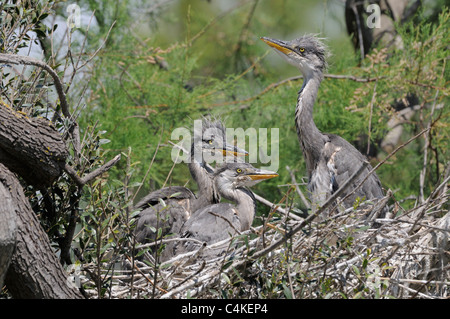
(348,255)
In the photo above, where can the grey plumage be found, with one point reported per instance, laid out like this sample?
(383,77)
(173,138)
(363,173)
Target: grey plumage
(330,160)
(217,222)
(169,207)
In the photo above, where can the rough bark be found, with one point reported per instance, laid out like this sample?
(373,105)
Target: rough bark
(7,230)
(34,271)
(32,148)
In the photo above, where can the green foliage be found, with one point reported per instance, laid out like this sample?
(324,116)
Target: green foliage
(419,70)
(18,19)
(144,87)
(163,69)
(105,223)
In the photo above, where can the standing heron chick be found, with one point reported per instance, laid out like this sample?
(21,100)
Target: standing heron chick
(330,160)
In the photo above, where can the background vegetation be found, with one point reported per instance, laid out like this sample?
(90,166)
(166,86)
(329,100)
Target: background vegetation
(165,65)
(160,65)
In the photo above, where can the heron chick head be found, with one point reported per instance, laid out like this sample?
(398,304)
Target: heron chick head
(212,138)
(241,175)
(307,52)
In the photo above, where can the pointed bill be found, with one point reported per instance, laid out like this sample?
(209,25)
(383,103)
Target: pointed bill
(277,44)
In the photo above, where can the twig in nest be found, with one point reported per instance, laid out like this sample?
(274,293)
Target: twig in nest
(276,207)
(299,192)
(191,276)
(226,219)
(310,218)
(148,279)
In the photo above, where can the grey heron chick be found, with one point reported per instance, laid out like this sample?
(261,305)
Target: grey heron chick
(330,159)
(217,222)
(169,207)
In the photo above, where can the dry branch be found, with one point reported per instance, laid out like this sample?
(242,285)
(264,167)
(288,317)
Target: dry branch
(290,79)
(299,192)
(311,217)
(272,206)
(384,160)
(82,181)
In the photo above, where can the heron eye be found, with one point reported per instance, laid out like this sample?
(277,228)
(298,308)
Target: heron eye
(301,50)
(239,170)
(210,142)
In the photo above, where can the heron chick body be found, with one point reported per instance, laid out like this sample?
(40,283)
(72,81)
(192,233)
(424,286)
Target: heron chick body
(217,222)
(169,208)
(330,159)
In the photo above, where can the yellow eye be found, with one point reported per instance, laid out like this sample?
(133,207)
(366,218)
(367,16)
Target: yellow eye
(239,170)
(210,141)
(302,50)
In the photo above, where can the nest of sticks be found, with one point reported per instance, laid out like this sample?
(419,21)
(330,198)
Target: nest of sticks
(351,254)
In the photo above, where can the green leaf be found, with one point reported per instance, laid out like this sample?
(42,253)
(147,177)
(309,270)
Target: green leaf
(365,262)
(175,194)
(103,141)
(226,278)
(356,270)
(287,292)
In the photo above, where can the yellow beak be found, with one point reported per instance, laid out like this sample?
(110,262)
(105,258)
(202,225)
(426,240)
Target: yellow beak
(275,44)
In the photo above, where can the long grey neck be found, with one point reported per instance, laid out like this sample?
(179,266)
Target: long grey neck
(310,138)
(201,172)
(245,204)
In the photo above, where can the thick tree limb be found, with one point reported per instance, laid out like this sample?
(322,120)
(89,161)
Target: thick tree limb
(32,148)
(35,271)
(7,231)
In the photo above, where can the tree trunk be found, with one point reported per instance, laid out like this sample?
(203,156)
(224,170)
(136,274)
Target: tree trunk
(35,271)
(32,148)
(7,230)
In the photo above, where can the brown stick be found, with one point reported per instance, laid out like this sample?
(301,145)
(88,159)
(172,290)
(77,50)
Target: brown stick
(311,217)
(82,181)
(383,161)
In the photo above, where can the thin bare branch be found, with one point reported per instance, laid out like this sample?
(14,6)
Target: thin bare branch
(299,192)
(26,60)
(311,217)
(425,152)
(82,181)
